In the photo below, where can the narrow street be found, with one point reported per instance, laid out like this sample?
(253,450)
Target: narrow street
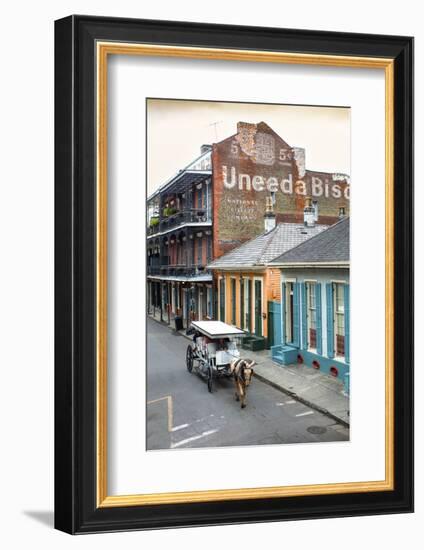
(181,413)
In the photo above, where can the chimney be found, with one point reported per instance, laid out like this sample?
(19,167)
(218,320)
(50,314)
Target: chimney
(309,213)
(205,148)
(342,212)
(269,216)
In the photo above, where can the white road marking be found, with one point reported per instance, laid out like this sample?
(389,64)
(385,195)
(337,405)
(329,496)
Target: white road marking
(305,413)
(194,438)
(290,402)
(180,427)
(279,404)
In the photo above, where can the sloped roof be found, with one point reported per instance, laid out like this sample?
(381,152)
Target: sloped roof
(329,247)
(264,248)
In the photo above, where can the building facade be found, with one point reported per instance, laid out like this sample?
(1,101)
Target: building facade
(179,245)
(248,288)
(217,203)
(315,303)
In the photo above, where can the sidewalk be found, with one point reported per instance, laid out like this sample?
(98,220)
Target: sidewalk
(313,388)
(319,391)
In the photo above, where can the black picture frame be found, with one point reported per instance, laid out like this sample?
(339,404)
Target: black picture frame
(76,510)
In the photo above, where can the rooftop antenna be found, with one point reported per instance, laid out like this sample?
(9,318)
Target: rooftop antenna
(215,124)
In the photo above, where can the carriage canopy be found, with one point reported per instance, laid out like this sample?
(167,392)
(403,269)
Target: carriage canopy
(217,329)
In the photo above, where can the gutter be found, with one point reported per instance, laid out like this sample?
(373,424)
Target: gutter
(339,265)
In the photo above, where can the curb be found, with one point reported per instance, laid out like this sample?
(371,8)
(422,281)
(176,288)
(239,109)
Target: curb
(302,400)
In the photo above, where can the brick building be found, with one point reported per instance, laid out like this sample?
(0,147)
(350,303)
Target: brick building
(217,203)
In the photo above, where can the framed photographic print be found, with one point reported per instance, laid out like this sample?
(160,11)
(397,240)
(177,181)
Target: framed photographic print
(233,272)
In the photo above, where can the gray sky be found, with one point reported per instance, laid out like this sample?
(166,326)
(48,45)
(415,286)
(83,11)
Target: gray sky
(177,129)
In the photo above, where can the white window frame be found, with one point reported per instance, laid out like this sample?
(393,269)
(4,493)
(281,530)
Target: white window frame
(308,315)
(342,284)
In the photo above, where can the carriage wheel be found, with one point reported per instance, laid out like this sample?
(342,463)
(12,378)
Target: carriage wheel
(189,359)
(210,379)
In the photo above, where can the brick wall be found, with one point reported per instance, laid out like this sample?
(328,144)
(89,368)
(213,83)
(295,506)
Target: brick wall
(251,164)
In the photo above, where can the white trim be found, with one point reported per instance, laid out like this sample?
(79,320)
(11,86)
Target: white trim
(261,279)
(237,268)
(288,265)
(179,227)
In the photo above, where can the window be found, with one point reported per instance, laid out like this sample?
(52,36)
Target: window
(339,319)
(199,250)
(312,315)
(209,250)
(209,305)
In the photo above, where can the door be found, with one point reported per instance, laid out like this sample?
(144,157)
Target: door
(222,300)
(242,319)
(258,307)
(200,302)
(248,305)
(289,313)
(233,301)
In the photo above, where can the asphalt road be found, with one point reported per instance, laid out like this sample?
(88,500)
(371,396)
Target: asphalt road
(181,413)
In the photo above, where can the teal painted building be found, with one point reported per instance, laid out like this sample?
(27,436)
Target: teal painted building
(315,304)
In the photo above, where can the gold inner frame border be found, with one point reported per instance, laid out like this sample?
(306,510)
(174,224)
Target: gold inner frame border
(103,50)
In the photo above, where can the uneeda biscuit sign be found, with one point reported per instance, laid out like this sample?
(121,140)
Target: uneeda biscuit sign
(255,163)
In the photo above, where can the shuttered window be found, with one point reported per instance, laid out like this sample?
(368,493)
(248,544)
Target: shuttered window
(347,322)
(330,320)
(318,300)
(312,316)
(339,319)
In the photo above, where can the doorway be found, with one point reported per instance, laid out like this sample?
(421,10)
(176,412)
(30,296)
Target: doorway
(258,307)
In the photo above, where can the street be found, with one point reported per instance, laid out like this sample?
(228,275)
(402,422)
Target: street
(181,413)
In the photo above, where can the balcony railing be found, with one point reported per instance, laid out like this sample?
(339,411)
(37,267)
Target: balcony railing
(191,215)
(153,270)
(184,270)
(153,229)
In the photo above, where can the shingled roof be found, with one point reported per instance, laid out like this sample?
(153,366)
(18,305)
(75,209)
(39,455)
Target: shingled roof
(264,248)
(331,247)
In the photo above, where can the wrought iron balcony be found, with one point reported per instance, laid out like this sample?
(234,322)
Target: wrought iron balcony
(153,270)
(182,270)
(191,215)
(153,229)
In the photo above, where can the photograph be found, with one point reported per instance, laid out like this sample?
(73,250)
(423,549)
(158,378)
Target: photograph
(247,274)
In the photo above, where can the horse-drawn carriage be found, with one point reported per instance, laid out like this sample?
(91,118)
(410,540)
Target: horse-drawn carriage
(213,349)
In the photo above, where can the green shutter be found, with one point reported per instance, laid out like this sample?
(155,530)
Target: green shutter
(330,321)
(319,317)
(283,313)
(304,316)
(347,322)
(296,314)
